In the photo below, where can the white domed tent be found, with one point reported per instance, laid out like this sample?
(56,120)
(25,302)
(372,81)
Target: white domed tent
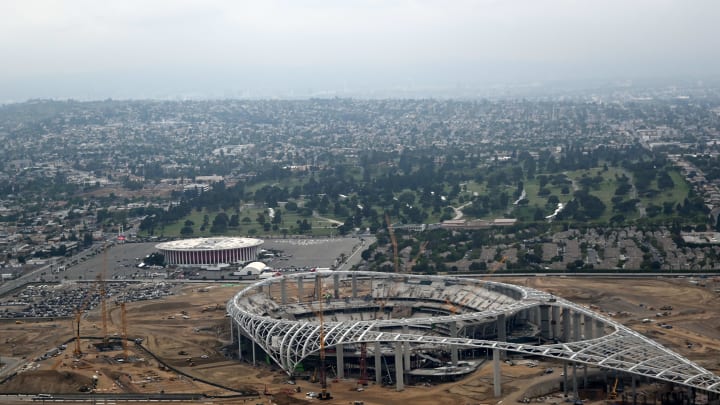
(255,269)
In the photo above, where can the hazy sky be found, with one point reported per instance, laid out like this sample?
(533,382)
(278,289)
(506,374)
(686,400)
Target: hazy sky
(150,48)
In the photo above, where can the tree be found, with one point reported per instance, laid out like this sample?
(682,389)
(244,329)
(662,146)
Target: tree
(664,181)
(303,226)
(478,266)
(87,239)
(220,223)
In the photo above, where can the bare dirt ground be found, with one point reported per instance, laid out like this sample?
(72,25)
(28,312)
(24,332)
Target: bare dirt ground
(189,330)
(695,314)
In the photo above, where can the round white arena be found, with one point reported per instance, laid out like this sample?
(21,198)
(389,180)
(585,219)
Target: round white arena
(209,251)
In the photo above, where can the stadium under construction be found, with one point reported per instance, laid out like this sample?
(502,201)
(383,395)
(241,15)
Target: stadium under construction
(399,329)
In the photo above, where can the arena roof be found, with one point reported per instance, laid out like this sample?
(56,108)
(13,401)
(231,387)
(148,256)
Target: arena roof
(206,244)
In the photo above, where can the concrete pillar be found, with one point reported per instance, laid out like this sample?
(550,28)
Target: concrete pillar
(406,350)
(544,321)
(576,326)
(354,285)
(565,381)
(555,322)
(566,325)
(253,351)
(497,382)
(453,348)
(378,364)
(399,384)
(634,393)
(232,330)
(240,337)
(300,294)
(318,287)
(599,328)
(589,321)
(585,384)
(502,327)
(522,316)
(339,356)
(283,291)
(575,383)
(336,285)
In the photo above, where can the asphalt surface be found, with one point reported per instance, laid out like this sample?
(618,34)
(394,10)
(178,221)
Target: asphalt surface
(119,261)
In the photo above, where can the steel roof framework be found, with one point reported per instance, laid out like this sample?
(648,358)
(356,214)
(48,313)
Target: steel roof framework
(288,342)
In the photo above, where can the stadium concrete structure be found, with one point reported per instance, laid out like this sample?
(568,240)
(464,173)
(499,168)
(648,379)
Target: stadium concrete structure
(209,251)
(397,322)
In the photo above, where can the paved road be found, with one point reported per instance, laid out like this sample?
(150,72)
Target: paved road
(355,257)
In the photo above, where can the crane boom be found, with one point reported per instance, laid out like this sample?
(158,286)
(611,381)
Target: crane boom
(393,240)
(123,320)
(324,394)
(103,301)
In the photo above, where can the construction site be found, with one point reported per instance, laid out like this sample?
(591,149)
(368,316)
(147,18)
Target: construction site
(185,344)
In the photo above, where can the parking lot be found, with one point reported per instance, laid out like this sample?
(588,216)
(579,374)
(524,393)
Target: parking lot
(119,261)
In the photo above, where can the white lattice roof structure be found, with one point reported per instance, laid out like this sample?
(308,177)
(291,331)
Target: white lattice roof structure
(288,331)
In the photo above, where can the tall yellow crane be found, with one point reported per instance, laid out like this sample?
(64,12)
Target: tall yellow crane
(103,301)
(123,335)
(78,316)
(613,393)
(393,240)
(496,266)
(77,352)
(414,260)
(324,393)
(103,310)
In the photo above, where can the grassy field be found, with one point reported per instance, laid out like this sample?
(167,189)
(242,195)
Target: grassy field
(288,225)
(675,194)
(604,189)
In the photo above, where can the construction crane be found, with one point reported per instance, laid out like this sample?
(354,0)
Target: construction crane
(77,352)
(103,310)
(363,365)
(393,240)
(414,260)
(103,301)
(123,335)
(324,393)
(613,393)
(496,266)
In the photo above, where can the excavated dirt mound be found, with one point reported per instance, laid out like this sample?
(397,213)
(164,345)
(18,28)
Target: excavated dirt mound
(60,382)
